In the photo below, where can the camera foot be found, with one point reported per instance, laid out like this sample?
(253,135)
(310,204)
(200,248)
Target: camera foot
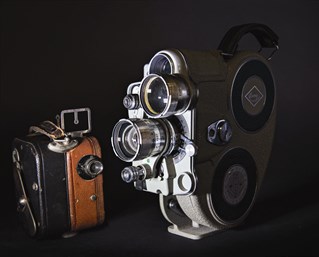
(192,232)
(69,234)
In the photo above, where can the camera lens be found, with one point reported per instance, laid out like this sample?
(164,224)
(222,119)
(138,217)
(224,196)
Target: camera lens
(166,67)
(95,167)
(89,166)
(138,139)
(156,96)
(160,64)
(130,140)
(162,96)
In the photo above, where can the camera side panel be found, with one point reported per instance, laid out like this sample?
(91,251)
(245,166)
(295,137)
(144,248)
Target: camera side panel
(214,103)
(85,196)
(44,178)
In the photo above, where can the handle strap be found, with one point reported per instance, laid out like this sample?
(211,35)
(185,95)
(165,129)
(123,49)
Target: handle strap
(49,129)
(266,37)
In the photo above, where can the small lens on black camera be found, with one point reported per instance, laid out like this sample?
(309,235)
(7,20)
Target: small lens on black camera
(89,167)
(95,167)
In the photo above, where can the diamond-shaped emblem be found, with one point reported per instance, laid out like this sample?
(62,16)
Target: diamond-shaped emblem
(254,96)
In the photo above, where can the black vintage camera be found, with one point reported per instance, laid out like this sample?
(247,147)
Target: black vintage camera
(58,176)
(200,131)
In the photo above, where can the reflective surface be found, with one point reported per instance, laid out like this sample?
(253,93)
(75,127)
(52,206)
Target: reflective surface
(138,139)
(156,96)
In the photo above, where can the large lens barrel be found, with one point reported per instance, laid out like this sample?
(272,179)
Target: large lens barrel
(138,139)
(162,96)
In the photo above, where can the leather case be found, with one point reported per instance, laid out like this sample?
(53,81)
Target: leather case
(52,198)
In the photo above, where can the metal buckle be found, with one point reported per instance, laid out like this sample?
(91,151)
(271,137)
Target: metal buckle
(273,52)
(76,121)
(276,48)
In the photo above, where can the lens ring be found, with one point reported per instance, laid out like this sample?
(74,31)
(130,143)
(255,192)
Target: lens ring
(152,137)
(130,139)
(155,95)
(119,140)
(161,64)
(164,96)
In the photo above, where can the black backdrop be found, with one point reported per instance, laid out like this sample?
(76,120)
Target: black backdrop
(67,54)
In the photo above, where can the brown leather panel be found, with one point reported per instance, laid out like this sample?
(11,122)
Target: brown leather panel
(84,212)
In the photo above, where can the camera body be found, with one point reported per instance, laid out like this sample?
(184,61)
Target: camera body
(200,132)
(58,177)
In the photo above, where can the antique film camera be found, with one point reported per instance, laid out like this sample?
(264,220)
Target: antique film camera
(200,131)
(58,176)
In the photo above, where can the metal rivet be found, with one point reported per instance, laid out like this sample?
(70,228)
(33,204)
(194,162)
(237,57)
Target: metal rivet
(93,197)
(35,186)
(21,204)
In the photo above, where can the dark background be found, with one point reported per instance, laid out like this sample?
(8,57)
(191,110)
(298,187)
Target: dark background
(69,54)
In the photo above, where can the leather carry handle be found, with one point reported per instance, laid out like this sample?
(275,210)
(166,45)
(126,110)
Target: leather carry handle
(49,129)
(266,37)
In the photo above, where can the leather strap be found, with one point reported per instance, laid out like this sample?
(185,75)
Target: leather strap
(49,129)
(266,37)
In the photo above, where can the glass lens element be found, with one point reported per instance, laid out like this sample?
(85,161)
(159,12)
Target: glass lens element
(163,96)
(130,139)
(138,139)
(156,96)
(160,65)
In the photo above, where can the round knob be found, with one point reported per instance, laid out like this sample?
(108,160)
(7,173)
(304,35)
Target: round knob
(131,174)
(191,149)
(219,132)
(224,131)
(89,166)
(131,101)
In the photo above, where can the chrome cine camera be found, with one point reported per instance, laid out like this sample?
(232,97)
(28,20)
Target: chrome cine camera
(200,131)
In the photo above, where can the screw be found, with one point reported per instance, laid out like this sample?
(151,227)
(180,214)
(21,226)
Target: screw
(35,186)
(93,197)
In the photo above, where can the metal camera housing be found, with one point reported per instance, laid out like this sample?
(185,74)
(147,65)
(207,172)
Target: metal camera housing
(217,110)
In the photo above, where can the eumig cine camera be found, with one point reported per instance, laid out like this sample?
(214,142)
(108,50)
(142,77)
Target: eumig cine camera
(58,176)
(200,131)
